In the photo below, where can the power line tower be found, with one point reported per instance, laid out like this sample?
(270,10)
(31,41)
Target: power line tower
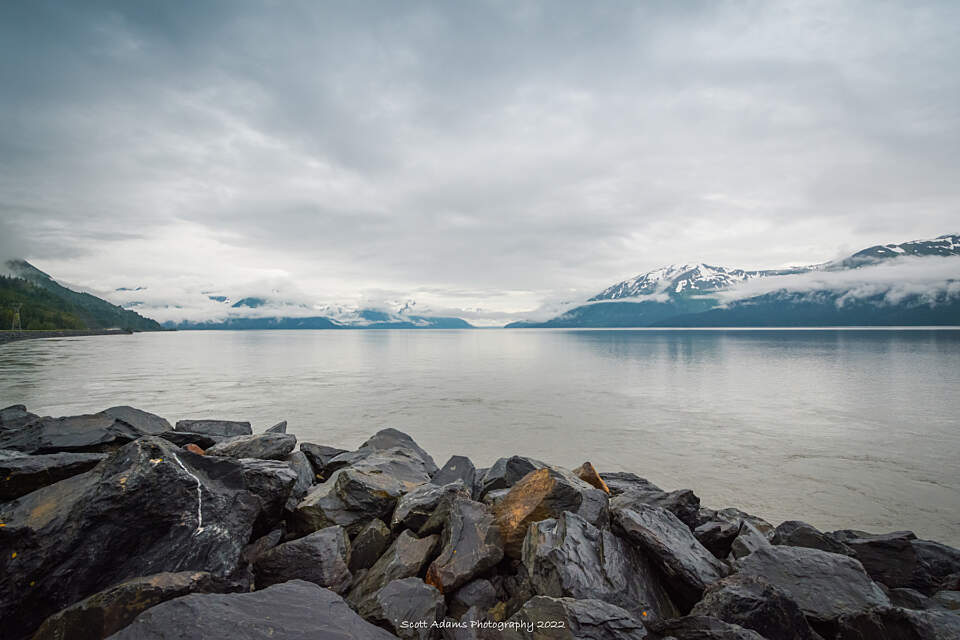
(15,326)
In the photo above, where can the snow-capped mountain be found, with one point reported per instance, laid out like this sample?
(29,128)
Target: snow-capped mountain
(676,279)
(946,245)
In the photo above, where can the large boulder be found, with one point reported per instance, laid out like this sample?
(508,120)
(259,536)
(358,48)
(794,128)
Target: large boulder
(94,433)
(280,427)
(272,482)
(471,544)
(686,564)
(825,585)
(892,623)
(408,607)
(216,428)
(748,540)
(405,558)
(717,536)
(112,609)
(569,557)
(682,503)
(889,558)
(795,533)
(622,481)
(506,472)
(184,438)
(479,593)
(150,507)
(731,514)
(415,508)
(571,619)
(389,438)
(319,455)
(320,558)
(753,603)
(21,474)
(368,545)
(301,466)
(146,422)
(293,610)
(938,566)
(265,446)
(591,476)
(542,494)
(457,468)
(702,628)
(14,417)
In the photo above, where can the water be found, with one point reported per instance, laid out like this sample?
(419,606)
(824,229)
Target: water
(841,429)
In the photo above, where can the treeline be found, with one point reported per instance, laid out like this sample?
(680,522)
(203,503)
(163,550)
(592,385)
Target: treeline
(40,310)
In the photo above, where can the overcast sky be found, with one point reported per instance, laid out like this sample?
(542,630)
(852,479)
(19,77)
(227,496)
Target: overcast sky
(486,157)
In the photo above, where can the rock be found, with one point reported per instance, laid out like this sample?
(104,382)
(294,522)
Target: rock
(569,557)
(703,628)
(730,514)
(415,508)
(183,438)
(272,482)
(898,624)
(588,474)
(479,593)
(546,493)
(319,456)
(717,536)
(215,428)
(457,468)
(491,498)
(150,507)
(407,607)
(889,558)
(573,619)
(686,564)
(25,473)
(368,545)
(265,446)
(753,603)
(405,558)
(948,599)
(320,558)
(15,417)
(112,609)
(261,545)
(95,433)
(622,481)
(505,472)
(389,438)
(938,566)
(800,534)
(301,466)
(910,599)
(293,610)
(147,423)
(748,540)
(280,427)
(682,503)
(192,448)
(825,585)
(471,544)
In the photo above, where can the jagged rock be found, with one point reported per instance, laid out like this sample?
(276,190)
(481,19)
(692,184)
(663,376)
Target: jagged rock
(622,481)
(415,508)
(748,540)
(800,534)
(546,493)
(272,482)
(572,619)
(146,422)
(280,427)
(825,585)
(588,474)
(319,455)
(569,557)
(682,503)
(215,428)
(494,497)
(261,545)
(479,593)
(889,558)
(368,545)
(506,472)
(702,628)
(407,557)
(301,466)
(387,439)
(408,607)
(753,603)
(717,536)
(320,558)
(938,566)
(150,507)
(471,544)
(686,564)
(293,610)
(112,609)
(96,433)
(25,473)
(457,468)
(183,438)
(15,417)
(192,448)
(898,624)
(731,514)
(265,446)
(910,599)
(948,599)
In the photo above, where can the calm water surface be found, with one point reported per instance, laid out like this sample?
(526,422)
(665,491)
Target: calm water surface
(851,429)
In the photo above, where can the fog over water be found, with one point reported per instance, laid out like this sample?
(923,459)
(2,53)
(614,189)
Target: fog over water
(843,429)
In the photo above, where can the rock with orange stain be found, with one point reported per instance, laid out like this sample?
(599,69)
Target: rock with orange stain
(192,448)
(471,544)
(588,474)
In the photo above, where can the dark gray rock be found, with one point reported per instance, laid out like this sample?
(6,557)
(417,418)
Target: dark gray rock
(301,466)
(479,593)
(407,557)
(471,544)
(682,503)
(294,610)
(938,566)
(505,472)
(144,421)
(320,558)
(389,438)
(910,599)
(150,507)
(898,624)
(96,433)
(686,564)
(261,545)
(280,427)
(753,603)
(622,481)
(215,428)
(748,540)
(731,514)
(889,558)
(717,536)
(15,417)
(573,619)
(319,455)
(491,498)
(569,557)
(947,599)
(265,446)
(795,533)
(25,473)
(368,545)
(415,508)
(457,468)
(183,438)
(702,628)
(408,607)
(825,585)
(271,481)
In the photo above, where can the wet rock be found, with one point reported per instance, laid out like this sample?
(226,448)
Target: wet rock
(368,545)
(494,497)
(387,439)
(753,603)
(910,599)
(546,493)
(800,534)
(717,536)
(183,438)
(271,481)
(112,609)
(479,593)
(682,503)
(264,446)
(938,566)
(319,455)
(889,558)
(301,466)
(144,421)
(898,624)
(25,473)
(825,585)
(573,619)
(948,599)
(457,468)
(588,474)
(408,601)
(506,472)
(96,433)
(405,558)
(471,544)
(215,428)
(192,448)
(415,508)
(261,545)
(687,566)
(703,628)
(320,558)
(730,514)
(150,507)
(748,540)
(569,557)
(290,611)
(280,427)
(15,417)
(622,481)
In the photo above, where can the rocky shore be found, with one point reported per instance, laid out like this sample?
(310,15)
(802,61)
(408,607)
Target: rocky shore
(13,336)
(120,525)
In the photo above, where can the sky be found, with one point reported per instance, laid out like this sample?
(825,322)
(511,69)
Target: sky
(480,159)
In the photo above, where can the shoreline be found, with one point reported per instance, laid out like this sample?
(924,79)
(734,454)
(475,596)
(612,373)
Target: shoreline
(15,336)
